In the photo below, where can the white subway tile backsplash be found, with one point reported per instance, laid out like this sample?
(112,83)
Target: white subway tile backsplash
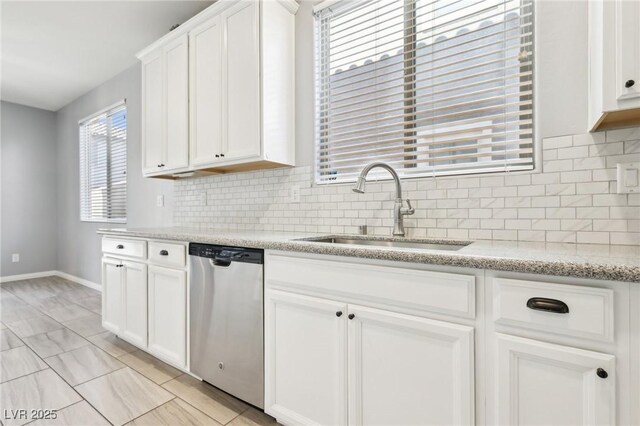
(572,199)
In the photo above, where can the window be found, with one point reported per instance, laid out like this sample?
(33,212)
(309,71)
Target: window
(432,87)
(103,166)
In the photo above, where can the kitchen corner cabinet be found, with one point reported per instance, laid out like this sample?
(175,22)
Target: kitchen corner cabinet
(229,91)
(614,64)
(144,296)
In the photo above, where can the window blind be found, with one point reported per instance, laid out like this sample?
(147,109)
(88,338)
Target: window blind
(103,166)
(432,87)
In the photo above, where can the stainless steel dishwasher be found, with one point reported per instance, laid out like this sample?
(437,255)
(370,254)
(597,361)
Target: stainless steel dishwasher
(226,310)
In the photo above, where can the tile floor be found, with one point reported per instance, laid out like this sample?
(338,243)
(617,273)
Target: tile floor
(56,356)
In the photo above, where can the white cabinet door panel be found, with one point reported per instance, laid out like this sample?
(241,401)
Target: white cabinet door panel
(545,384)
(305,368)
(112,291)
(134,323)
(205,85)
(409,370)
(177,104)
(152,113)
(168,314)
(242,77)
(627,30)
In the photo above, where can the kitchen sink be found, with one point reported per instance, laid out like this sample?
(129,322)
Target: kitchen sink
(392,242)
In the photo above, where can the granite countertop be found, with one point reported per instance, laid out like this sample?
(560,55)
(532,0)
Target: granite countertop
(606,262)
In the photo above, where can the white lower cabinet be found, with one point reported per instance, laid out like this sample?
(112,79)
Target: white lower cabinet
(547,384)
(124,310)
(323,356)
(168,314)
(408,370)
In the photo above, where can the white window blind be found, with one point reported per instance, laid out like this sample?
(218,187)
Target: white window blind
(103,166)
(432,87)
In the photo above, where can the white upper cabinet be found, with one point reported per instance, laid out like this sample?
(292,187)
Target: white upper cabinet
(218,91)
(205,67)
(165,108)
(614,64)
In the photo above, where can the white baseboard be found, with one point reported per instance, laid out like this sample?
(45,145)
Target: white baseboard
(79,280)
(33,275)
(60,274)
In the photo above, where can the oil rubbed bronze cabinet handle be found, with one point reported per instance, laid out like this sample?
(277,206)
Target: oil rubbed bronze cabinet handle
(164,253)
(547,305)
(119,246)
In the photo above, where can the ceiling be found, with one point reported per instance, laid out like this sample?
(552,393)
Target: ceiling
(55,51)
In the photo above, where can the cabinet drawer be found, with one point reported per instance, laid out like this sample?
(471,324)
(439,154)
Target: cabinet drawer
(167,254)
(542,306)
(375,285)
(124,247)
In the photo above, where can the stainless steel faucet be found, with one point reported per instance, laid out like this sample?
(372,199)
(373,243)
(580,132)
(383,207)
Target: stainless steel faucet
(399,212)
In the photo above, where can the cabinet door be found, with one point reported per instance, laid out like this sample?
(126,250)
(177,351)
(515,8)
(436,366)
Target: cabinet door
(112,291)
(134,302)
(176,58)
(546,384)
(242,81)
(168,314)
(305,359)
(627,29)
(409,370)
(152,113)
(205,85)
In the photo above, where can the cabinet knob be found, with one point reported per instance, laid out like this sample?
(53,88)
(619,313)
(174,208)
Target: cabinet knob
(352,316)
(629,83)
(221,155)
(164,253)
(602,373)
(119,246)
(339,313)
(217,156)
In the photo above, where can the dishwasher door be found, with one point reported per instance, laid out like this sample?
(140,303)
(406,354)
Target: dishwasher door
(226,323)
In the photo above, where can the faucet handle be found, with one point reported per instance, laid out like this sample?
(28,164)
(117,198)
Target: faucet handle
(410,210)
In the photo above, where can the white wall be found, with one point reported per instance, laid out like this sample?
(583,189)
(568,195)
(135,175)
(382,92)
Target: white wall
(28,190)
(79,250)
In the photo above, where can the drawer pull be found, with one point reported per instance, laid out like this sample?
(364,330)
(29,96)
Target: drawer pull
(119,246)
(164,253)
(547,305)
(602,373)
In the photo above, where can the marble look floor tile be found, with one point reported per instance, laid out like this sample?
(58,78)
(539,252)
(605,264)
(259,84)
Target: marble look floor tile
(87,326)
(8,340)
(68,313)
(18,313)
(79,293)
(41,390)
(213,402)
(19,362)
(150,366)
(83,364)
(123,395)
(110,343)
(78,414)
(174,413)
(253,417)
(55,342)
(92,303)
(49,303)
(32,326)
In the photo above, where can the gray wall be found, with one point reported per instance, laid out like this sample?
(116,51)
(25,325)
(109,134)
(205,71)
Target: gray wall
(28,205)
(78,245)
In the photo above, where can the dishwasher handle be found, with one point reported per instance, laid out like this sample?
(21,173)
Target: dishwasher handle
(220,261)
